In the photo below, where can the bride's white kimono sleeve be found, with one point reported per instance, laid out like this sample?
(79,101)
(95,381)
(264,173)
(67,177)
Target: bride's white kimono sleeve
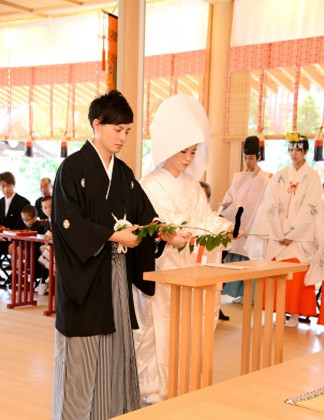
(177,200)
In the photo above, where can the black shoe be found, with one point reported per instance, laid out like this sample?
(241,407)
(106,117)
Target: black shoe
(222,316)
(304,320)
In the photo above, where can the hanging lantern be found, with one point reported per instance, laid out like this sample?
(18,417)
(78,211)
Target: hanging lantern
(64,149)
(29,147)
(262,143)
(262,146)
(318,145)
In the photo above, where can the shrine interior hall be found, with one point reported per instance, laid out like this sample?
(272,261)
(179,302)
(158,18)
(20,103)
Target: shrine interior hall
(257,66)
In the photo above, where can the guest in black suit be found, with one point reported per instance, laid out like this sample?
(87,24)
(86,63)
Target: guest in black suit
(42,288)
(10,209)
(10,206)
(47,210)
(29,218)
(46,190)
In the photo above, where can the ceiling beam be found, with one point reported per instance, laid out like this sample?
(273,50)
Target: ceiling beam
(279,78)
(303,79)
(21,8)
(77,7)
(16,6)
(314,74)
(160,87)
(319,67)
(271,84)
(79,3)
(11,11)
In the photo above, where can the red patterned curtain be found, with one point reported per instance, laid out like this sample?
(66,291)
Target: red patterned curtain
(273,75)
(48,102)
(168,74)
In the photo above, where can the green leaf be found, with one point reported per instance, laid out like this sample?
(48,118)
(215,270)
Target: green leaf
(141,235)
(211,243)
(201,240)
(152,229)
(172,229)
(182,248)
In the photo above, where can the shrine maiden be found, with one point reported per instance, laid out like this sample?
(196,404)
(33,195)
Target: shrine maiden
(287,217)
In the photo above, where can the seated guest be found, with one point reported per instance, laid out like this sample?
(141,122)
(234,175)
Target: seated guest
(46,190)
(42,288)
(29,217)
(10,207)
(47,210)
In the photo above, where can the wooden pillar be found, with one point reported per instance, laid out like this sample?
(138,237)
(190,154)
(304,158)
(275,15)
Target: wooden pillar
(220,33)
(130,73)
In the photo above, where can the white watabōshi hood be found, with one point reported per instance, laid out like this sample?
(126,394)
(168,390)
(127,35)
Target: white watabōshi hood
(180,122)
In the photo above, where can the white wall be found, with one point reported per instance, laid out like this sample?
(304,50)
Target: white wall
(263,21)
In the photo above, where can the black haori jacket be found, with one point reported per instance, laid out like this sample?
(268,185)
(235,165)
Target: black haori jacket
(82,221)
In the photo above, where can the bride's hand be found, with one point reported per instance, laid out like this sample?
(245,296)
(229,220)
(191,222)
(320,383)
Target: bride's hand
(179,240)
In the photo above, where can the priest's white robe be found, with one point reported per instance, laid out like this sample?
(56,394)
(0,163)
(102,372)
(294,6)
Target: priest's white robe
(246,190)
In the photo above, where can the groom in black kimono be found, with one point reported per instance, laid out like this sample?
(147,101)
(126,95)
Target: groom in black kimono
(95,373)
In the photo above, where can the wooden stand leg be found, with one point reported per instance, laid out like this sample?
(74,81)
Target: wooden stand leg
(13,274)
(246,328)
(185,340)
(196,355)
(268,322)
(208,346)
(280,318)
(20,274)
(257,325)
(31,300)
(174,342)
(27,269)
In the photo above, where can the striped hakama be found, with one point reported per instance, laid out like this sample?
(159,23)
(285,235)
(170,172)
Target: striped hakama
(95,378)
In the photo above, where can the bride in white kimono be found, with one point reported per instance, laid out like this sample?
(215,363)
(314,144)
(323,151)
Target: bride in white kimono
(180,141)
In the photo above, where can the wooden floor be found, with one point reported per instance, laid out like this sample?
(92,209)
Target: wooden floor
(26,355)
(307,338)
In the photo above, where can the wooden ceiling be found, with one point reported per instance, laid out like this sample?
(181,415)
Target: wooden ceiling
(285,77)
(18,10)
(26,10)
